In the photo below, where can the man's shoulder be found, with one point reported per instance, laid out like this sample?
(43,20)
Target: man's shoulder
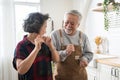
(54,32)
(82,33)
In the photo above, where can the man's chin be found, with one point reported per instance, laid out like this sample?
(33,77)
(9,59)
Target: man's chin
(68,32)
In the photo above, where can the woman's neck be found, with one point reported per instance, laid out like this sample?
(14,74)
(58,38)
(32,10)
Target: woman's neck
(31,37)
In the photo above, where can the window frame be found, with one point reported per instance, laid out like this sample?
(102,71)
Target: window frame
(34,4)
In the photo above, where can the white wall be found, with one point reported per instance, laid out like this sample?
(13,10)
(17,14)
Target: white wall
(78,5)
(56,9)
(94,24)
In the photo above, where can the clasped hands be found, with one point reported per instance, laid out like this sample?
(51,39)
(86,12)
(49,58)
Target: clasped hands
(70,49)
(42,39)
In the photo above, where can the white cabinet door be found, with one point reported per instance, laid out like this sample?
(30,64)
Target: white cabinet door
(92,73)
(116,73)
(104,72)
(119,73)
(107,72)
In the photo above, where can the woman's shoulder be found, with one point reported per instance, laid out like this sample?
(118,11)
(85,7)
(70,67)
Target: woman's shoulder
(23,42)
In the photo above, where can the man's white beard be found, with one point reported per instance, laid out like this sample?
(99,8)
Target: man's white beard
(68,31)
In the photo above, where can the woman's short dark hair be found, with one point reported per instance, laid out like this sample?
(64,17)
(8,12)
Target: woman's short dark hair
(34,22)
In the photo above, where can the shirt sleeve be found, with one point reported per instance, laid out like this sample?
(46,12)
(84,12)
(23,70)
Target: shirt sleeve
(86,50)
(56,42)
(18,53)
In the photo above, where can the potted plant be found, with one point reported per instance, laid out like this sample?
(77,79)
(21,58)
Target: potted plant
(109,5)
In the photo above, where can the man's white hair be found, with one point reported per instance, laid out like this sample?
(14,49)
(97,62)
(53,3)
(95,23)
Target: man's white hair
(74,12)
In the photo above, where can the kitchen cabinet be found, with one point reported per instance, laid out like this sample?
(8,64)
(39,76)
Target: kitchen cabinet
(107,72)
(92,73)
(92,69)
(115,73)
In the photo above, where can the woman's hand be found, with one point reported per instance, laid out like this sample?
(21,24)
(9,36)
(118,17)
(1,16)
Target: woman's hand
(38,41)
(47,41)
(55,54)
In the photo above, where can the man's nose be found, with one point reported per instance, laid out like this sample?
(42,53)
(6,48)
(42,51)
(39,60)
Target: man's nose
(69,25)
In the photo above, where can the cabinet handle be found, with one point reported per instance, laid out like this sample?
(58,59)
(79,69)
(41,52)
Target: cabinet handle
(112,72)
(116,73)
(94,77)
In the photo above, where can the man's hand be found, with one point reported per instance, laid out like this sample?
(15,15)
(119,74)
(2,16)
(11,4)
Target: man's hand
(70,48)
(83,63)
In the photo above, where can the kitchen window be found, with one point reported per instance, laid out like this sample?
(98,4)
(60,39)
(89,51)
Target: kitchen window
(114,32)
(22,9)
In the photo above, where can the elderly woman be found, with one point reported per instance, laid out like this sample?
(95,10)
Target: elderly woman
(33,54)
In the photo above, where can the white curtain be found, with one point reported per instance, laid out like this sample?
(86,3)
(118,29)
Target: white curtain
(7,40)
(84,8)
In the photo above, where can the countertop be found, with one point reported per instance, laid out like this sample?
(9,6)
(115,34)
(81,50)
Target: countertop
(110,61)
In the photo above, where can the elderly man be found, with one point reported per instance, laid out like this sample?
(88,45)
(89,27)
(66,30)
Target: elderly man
(73,47)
